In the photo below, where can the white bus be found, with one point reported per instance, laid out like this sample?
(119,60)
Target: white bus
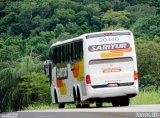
(95,67)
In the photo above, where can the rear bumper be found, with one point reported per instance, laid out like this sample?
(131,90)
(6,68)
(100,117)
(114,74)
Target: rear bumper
(108,92)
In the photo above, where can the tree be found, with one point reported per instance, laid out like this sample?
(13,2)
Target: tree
(148,62)
(64,15)
(72,28)
(81,17)
(11,96)
(148,26)
(59,29)
(119,5)
(105,5)
(119,18)
(35,87)
(140,10)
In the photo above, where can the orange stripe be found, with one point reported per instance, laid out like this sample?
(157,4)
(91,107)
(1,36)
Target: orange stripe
(121,50)
(59,83)
(76,70)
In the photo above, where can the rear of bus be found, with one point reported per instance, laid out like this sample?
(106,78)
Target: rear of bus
(110,65)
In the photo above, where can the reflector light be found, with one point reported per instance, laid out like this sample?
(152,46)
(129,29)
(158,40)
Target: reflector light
(108,33)
(88,79)
(129,33)
(135,75)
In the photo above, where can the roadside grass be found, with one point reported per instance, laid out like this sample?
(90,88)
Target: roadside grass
(144,97)
(41,106)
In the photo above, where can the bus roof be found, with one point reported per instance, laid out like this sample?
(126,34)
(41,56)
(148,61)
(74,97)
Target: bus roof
(65,41)
(91,35)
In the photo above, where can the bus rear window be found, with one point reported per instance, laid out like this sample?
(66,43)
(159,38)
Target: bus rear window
(101,61)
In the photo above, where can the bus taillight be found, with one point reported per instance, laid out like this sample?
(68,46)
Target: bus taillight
(88,79)
(135,75)
(107,33)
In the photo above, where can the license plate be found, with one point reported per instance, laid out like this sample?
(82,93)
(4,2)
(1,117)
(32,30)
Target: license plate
(112,85)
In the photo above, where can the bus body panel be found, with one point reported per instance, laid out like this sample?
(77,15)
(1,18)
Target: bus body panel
(110,61)
(111,64)
(111,92)
(111,72)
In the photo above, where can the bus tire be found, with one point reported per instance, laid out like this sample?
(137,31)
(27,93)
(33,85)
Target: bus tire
(78,100)
(61,105)
(124,101)
(85,105)
(78,105)
(55,96)
(115,103)
(99,104)
(74,94)
(78,94)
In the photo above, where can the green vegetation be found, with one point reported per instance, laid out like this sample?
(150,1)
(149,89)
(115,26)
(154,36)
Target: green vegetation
(144,97)
(29,27)
(42,106)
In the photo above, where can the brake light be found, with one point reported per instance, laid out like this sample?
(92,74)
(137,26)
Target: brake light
(135,75)
(129,33)
(88,79)
(107,33)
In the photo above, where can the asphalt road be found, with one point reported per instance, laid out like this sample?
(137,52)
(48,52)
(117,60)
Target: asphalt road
(133,111)
(131,108)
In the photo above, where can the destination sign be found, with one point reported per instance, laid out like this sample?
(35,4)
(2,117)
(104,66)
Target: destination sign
(105,47)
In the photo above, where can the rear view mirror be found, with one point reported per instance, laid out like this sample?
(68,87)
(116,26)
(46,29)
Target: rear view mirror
(46,67)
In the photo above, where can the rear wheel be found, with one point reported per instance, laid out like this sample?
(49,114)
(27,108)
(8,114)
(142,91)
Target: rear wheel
(74,95)
(78,105)
(61,105)
(124,102)
(78,99)
(115,103)
(99,104)
(85,105)
(55,96)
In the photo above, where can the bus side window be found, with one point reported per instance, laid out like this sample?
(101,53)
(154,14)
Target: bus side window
(55,55)
(67,53)
(81,49)
(76,50)
(64,53)
(50,74)
(72,51)
(61,61)
(59,54)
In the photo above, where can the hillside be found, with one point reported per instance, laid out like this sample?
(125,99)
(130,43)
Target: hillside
(29,27)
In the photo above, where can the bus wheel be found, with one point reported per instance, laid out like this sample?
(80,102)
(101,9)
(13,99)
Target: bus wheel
(124,101)
(85,105)
(99,104)
(78,105)
(115,103)
(55,96)
(74,95)
(61,105)
(78,99)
